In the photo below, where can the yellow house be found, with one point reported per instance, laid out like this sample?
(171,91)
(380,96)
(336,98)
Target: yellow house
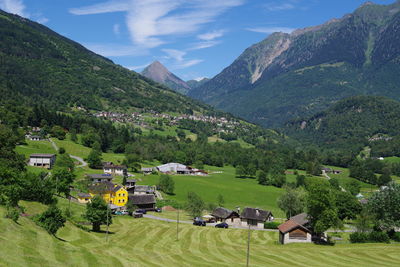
(111,193)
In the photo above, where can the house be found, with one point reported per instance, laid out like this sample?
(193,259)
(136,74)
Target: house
(224,215)
(295,230)
(33,137)
(130,183)
(147,202)
(42,160)
(148,170)
(100,178)
(84,198)
(172,168)
(255,217)
(142,190)
(115,169)
(111,193)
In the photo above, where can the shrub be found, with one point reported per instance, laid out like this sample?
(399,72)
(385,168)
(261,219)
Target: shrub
(271,225)
(359,237)
(380,237)
(396,236)
(12,213)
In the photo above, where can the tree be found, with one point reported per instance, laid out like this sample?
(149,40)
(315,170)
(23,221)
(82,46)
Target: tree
(278,179)
(240,171)
(194,205)
(130,207)
(12,213)
(300,180)
(262,177)
(335,183)
(220,200)
(65,161)
(74,137)
(321,207)
(58,132)
(62,178)
(385,178)
(364,221)
(385,205)
(347,204)
(61,150)
(353,187)
(96,213)
(166,184)
(51,220)
(94,159)
(292,201)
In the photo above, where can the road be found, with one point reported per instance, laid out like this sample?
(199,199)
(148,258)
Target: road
(81,161)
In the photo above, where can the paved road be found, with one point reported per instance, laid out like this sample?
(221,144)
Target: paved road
(81,161)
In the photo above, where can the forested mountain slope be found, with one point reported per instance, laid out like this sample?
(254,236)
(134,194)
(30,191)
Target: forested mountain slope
(38,65)
(352,122)
(289,76)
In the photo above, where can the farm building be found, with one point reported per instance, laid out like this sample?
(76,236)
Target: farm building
(295,230)
(42,160)
(147,202)
(224,215)
(255,217)
(177,168)
(130,183)
(100,178)
(84,198)
(142,190)
(110,168)
(33,137)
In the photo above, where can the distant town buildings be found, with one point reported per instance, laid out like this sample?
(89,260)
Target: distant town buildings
(42,160)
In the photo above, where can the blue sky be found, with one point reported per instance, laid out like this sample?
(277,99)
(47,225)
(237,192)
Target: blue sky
(193,38)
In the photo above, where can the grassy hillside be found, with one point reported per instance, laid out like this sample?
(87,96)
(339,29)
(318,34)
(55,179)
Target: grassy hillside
(144,242)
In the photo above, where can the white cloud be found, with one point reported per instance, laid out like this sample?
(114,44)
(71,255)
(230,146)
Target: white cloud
(42,20)
(269,30)
(186,64)
(280,7)
(115,50)
(149,21)
(209,36)
(175,54)
(139,67)
(116,29)
(202,45)
(14,7)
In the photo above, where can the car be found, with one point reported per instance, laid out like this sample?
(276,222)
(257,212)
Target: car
(157,210)
(143,211)
(137,215)
(199,222)
(222,225)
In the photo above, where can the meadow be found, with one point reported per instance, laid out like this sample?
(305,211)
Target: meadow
(146,242)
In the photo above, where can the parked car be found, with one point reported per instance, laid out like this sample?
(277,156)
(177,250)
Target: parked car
(137,215)
(143,211)
(121,212)
(199,222)
(222,225)
(157,210)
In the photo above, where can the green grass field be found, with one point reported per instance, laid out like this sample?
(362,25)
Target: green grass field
(146,242)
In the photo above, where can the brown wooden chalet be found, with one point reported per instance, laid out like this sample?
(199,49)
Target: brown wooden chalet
(147,202)
(295,230)
(255,217)
(224,215)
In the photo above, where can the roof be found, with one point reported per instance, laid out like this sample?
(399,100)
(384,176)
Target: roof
(101,187)
(116,188)
(112,166)
(42,155)
(100,176)
(298,221)
(255,214)
(143,188)
(223,213)
(142,199)
(84,195)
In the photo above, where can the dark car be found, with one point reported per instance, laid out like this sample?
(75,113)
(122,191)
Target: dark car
(222,225)
(199,222)
(143,211)
(137,215)
(157,210)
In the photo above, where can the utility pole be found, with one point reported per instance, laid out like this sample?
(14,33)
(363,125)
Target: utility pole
(177,226)
(248,245)
(107,225)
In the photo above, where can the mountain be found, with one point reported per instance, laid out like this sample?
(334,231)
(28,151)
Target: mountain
(159,73)
(196,83)
(289,76)
(41,66)
(351,122)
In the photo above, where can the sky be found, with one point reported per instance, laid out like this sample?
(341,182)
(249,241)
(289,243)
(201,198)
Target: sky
(192,38)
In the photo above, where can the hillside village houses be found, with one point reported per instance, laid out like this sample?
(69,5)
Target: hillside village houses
(253,217)
(110,168)
(42,160)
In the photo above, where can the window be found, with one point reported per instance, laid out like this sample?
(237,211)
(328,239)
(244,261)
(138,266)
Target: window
(123,200)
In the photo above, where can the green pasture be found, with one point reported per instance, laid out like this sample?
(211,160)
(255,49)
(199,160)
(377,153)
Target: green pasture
(146,242)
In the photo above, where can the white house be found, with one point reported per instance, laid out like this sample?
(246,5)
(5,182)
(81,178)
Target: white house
(42,160)
(172,167)
(115,169)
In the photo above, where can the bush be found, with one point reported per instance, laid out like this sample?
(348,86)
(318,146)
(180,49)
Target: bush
(380,237)
(271,225)
(12,213)
(396,236)
(359,237)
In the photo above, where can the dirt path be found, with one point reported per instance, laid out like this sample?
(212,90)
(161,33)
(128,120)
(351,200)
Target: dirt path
(81,161)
